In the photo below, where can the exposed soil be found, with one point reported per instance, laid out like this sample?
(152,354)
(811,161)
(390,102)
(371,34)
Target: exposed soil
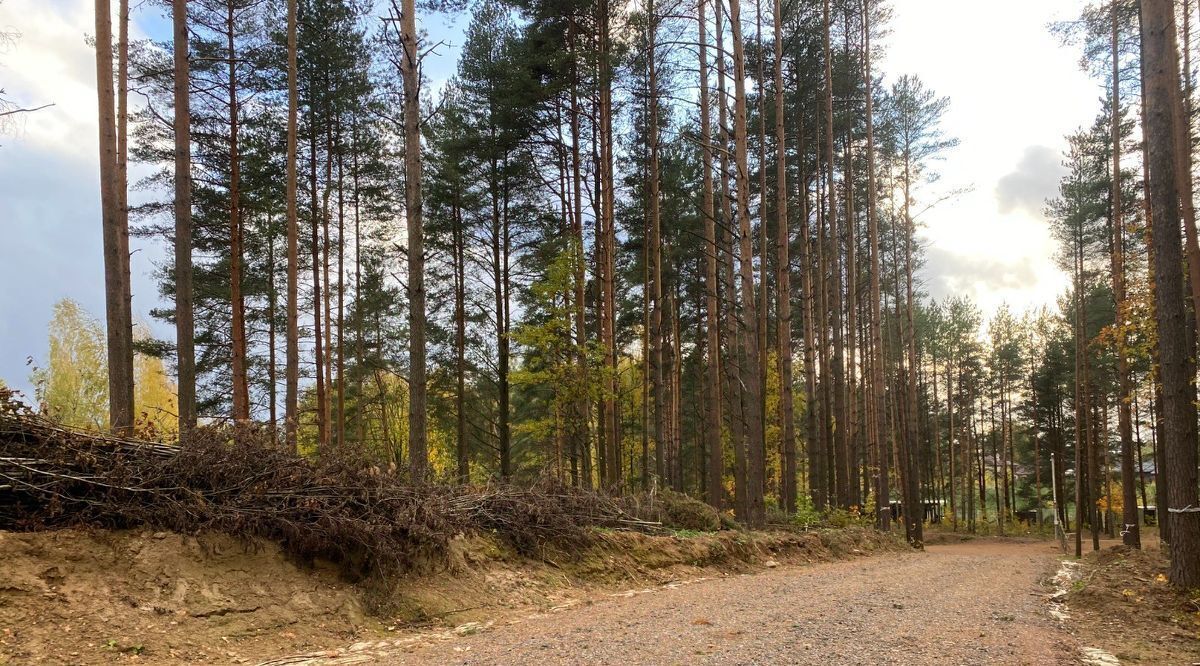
(1121,602)
(80,597)
(977,602)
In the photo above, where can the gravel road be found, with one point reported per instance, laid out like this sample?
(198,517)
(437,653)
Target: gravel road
(967,603)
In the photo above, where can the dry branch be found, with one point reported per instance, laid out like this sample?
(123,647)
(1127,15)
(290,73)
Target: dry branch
(239,481)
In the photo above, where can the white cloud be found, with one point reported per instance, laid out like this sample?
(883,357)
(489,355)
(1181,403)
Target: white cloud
(1015,92)
(52,64)
(49,175)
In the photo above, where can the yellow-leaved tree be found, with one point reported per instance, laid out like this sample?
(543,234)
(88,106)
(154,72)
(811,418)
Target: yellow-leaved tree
(72,388)
(155,397)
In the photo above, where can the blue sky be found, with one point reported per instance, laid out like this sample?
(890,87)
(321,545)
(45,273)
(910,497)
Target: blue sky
(1014,94)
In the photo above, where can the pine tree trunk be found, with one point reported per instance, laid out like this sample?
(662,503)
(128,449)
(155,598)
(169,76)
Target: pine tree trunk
(841,451)
(327,296)
(950,439)
(291,399)
(812,443)
(821,284)
(359,341)
(764,303)
(122,91)
(1093,462)
(1163,118)
(272,303)
(418,452)
(119,318)
(460,346)
(733,342)
(1080,410)
(783,293)
(318,339)
(1131,533)
(654,236)
(241,388)
(583,406)
(499,278)
(185,330)
(612,411)
(852,412)
(911,457)
(341,295)
(755,509)
(712,367)
(677,481)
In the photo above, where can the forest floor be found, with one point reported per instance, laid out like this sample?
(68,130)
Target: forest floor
(1120,601)
(837,597)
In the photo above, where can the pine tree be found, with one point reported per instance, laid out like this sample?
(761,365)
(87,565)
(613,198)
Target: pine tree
(185,333)
(119,317)
(1163,115)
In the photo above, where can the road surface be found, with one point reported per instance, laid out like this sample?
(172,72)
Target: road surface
(977,602)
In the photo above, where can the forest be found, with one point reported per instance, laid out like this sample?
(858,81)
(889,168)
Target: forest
(633,248)
(623,247)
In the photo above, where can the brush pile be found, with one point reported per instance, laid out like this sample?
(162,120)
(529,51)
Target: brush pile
(241,482)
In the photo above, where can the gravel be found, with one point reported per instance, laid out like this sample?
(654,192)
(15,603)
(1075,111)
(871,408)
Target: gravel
(968,603)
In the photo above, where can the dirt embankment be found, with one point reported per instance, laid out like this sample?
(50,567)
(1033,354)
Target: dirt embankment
(1122,602)
(89,597)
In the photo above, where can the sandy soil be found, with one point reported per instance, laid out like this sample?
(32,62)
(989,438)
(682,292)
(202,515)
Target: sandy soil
(80,597)
(977,602)
(136,596)
(842,597)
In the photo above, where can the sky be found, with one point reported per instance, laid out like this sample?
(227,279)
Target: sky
(1015,93)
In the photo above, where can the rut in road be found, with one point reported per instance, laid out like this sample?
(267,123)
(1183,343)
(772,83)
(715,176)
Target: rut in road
(967,603)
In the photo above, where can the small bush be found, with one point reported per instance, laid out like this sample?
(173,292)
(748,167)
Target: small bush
(837,517)
(675,511)
(806,516)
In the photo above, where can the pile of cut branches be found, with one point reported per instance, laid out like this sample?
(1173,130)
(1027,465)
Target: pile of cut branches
(240,481)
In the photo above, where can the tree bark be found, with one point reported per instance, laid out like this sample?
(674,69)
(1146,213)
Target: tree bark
(1131,533)
(654,236)
(608,245)
(583,406)
(318,338)
(734,393)
(291,399)
(418,452)
(883,512)
(1163,118)
(241,388)
(185,329)
(913,515)
(783,293)
(756,510)
(460,346)
(712,368)
(119,318)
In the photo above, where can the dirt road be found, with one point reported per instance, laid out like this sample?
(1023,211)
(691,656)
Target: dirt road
(967,603)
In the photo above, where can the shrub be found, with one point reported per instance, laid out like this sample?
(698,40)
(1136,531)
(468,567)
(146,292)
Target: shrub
(675,511)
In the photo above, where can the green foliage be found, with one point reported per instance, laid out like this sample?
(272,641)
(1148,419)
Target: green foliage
(840,518)
(682,512)
(73,386)
(806,515)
